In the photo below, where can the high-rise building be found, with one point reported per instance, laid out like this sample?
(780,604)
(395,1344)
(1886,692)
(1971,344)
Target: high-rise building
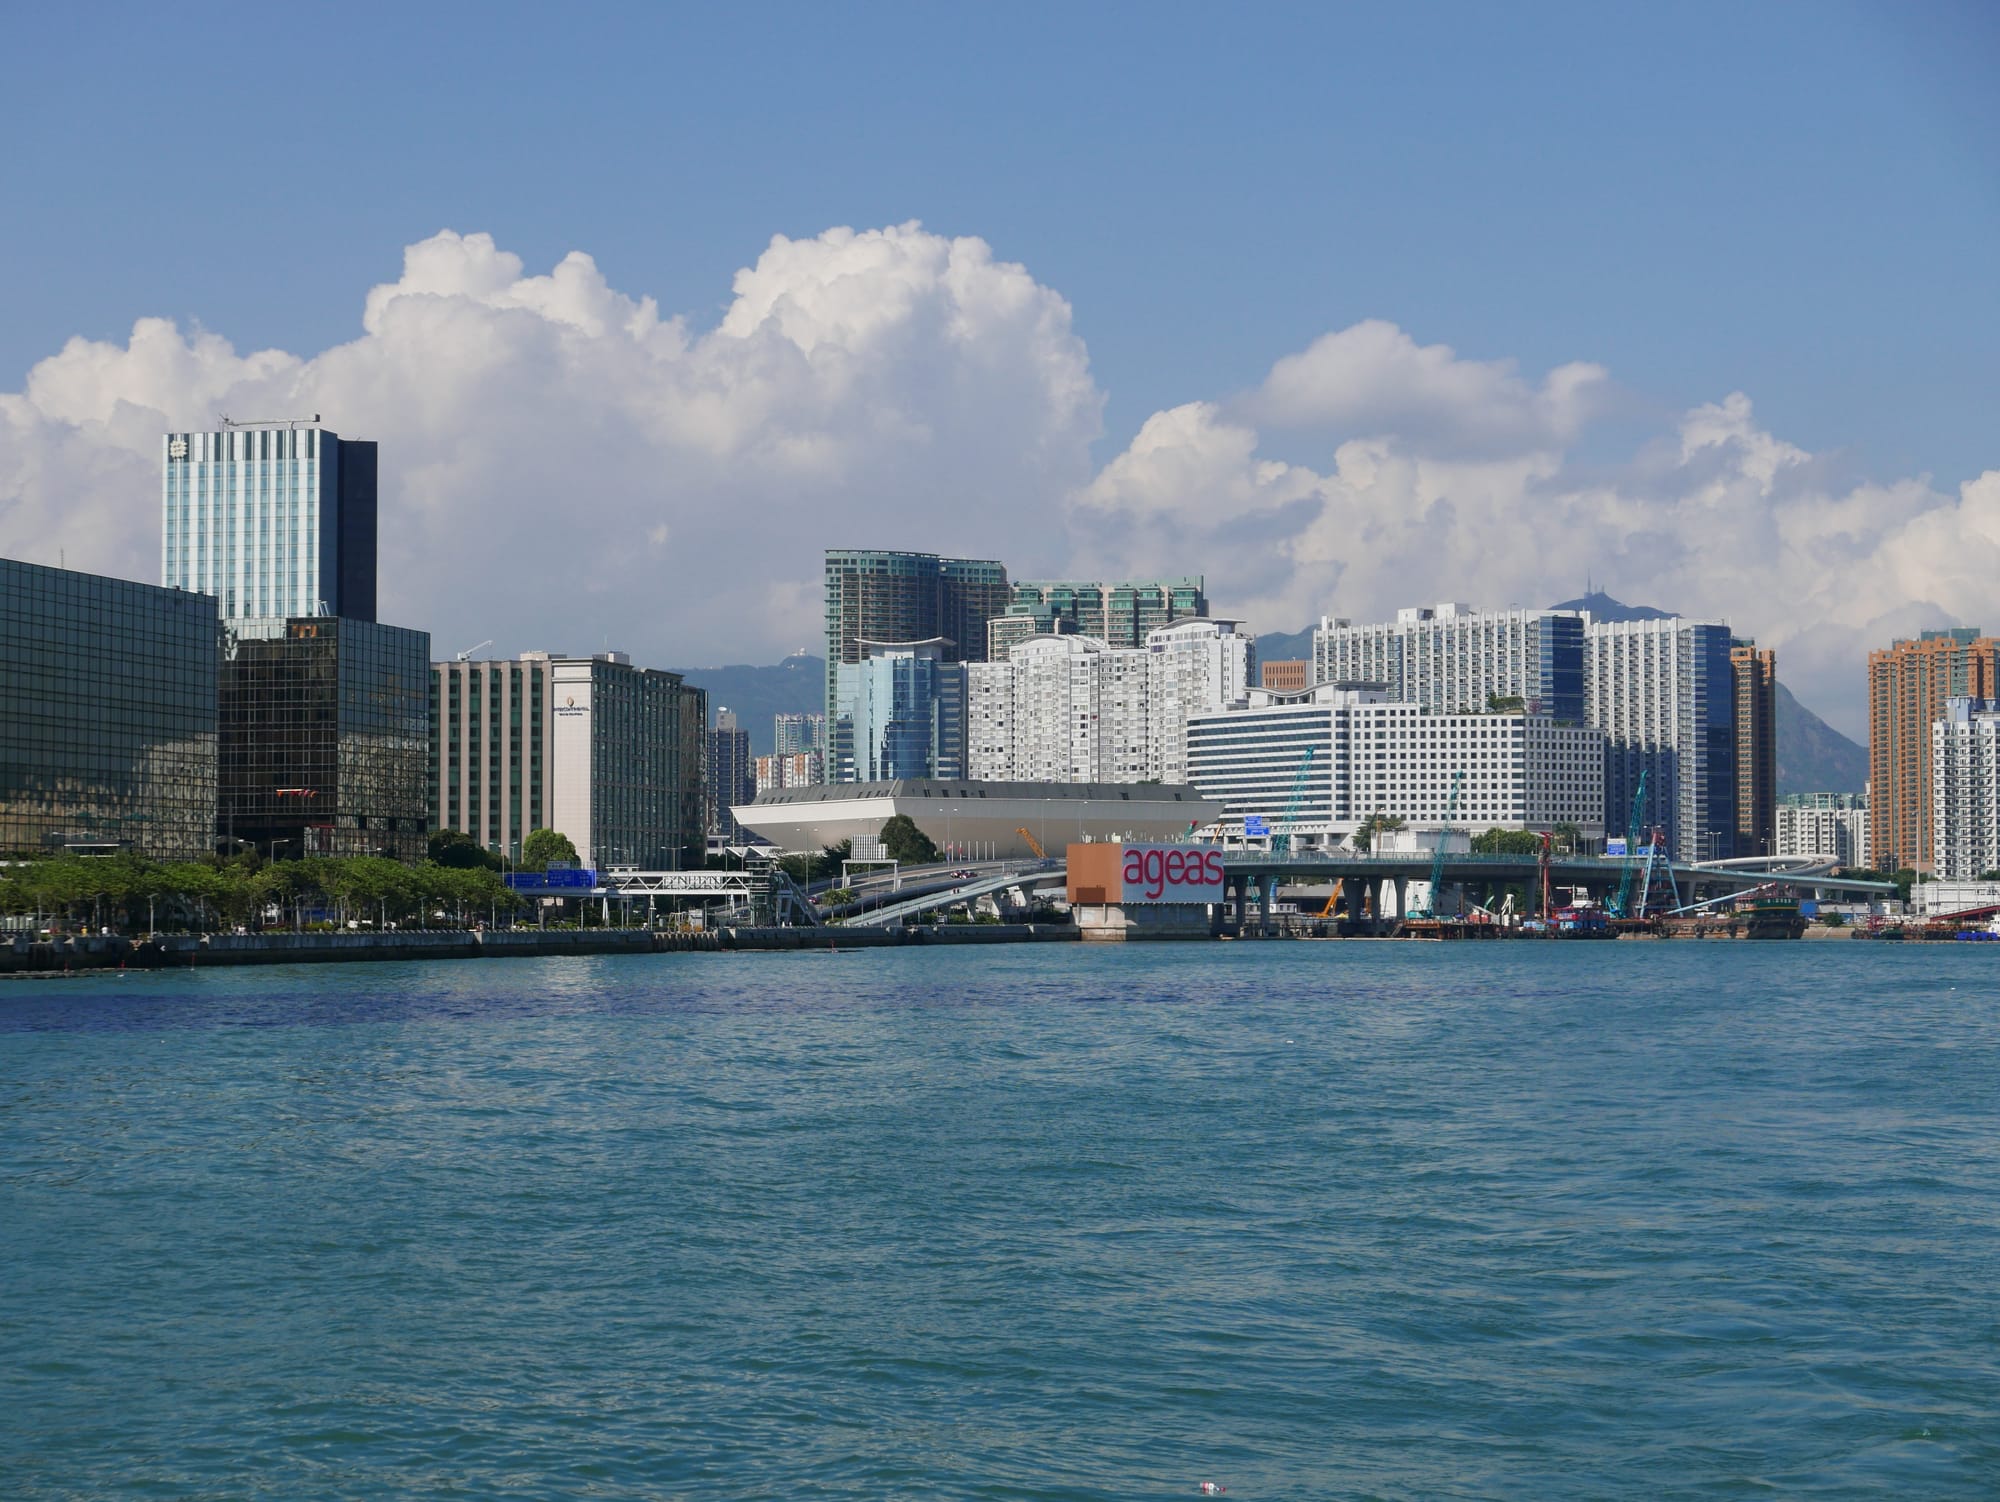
(633,793)
(1908,686)
(1317,766)
(731,775)
(1965,790)
(796,769)
(1754,676)
(796,733)
(626,749)
(275,520)
(1663,694)
(1829,824)
(899,713)
(489,762)
(323,737)
(1070,708)
(876,596)
(1121,613)
(1452,658)
(107,715)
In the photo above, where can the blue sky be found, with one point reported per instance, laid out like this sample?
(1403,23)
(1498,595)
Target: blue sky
(1798,202)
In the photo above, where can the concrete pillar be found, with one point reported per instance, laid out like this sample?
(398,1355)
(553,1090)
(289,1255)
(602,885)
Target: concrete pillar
(1265,889)
(1402,897)
(1239,888)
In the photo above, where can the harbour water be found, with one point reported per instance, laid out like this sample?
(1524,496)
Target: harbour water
(1358,1220)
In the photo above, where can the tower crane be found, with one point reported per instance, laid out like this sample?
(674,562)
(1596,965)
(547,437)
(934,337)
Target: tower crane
(1281,835)
(466,655)
(1631,847)
(1437,855)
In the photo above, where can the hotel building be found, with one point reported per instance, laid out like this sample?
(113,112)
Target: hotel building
(1372,755)
(608,754)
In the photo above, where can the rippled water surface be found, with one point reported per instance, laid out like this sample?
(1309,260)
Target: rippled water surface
(1307,1220)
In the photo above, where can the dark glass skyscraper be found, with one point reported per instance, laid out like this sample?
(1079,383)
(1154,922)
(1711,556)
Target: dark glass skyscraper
(107,714)
(325,735)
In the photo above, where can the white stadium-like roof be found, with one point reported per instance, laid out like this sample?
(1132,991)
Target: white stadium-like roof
(977,816)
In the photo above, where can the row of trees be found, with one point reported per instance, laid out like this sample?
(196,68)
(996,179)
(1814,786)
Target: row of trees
(131,894)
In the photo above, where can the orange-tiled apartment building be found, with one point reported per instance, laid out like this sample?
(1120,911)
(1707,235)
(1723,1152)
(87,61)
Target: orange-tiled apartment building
(1908,684)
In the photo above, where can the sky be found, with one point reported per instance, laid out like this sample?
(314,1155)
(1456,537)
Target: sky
(1341,308)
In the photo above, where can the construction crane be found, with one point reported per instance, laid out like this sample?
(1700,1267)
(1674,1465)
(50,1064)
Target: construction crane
(466,655)
(1033,844)
(1281,837)
(1631,850)
(1437,855)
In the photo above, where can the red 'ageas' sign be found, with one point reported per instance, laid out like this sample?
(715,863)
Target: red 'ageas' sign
(1171,873)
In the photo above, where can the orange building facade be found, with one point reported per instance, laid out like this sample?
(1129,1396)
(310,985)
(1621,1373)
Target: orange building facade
(1908,684)
(1287,677)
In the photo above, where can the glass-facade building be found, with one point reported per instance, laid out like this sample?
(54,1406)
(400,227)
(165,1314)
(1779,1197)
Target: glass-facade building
(107,715)
(878,596)
(900,713)
(274,520)
(1120,613)
(324,733)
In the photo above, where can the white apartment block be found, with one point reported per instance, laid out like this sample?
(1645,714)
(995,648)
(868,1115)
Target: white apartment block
(1372,754)
(1965,790)
(1072,709)
(1660,691)
(1834,825)
(1450,657)
(791,769)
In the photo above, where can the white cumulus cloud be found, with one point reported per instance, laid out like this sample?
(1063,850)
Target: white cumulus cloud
(563,465)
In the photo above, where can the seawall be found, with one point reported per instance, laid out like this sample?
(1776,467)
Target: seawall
(25,956)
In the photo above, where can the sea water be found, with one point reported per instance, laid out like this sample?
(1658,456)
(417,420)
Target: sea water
(1303,1220)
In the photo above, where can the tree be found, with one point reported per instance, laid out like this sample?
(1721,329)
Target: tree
(457,850)
(1567,837)
(1374,824)
(1507,842)
(1505,704)
(544,847)
(906,843)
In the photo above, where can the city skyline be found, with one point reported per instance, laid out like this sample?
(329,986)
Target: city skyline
(1777,426)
